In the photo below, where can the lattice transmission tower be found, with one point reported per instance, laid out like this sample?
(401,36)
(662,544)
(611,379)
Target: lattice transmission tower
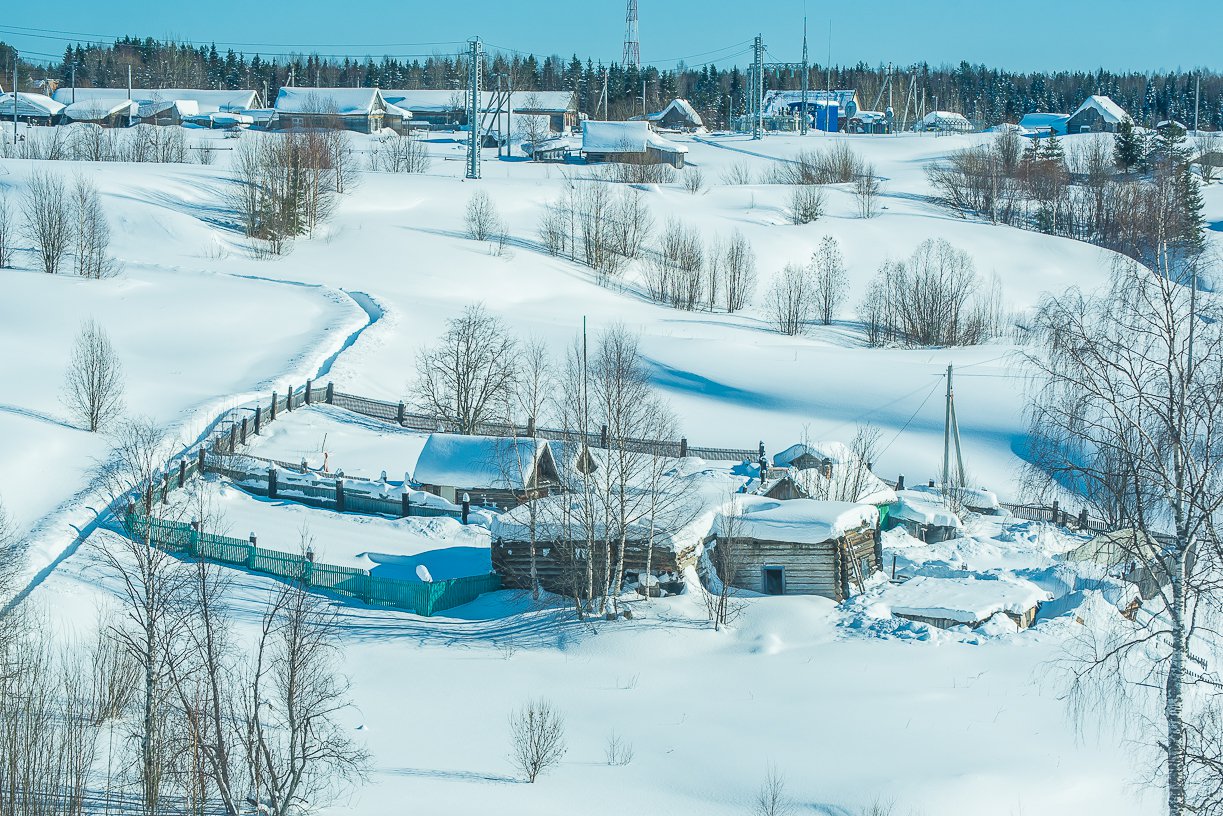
(632,40)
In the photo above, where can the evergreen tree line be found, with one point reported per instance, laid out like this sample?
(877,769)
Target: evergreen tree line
(985,95)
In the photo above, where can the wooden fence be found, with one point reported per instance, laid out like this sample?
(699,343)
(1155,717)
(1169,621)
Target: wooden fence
(423,598)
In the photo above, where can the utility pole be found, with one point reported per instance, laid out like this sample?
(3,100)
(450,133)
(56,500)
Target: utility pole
(74,80)
(951,433)
(129,83)
(756,98)
(803,123)
(1197,98)
(603,98)
(473,108)
(14,96)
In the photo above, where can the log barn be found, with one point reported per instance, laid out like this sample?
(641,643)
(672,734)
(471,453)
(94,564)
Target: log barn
(799,547)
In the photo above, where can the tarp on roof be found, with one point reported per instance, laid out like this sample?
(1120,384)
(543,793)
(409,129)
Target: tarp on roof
(624,137)
(206,100)
(1109,110)
(479,462)
(334,101)
(29,104)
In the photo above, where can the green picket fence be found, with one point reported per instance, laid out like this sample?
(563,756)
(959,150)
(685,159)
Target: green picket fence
(422,598)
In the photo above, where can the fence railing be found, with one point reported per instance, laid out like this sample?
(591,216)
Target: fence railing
(422,598)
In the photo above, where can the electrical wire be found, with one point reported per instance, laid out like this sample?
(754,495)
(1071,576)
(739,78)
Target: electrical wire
(909,421)
(26,31)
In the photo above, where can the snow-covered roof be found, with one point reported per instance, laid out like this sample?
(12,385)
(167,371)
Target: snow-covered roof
(334,101)
(487,462)
(1109,110)
(783,103)
(849,474)
(206,100)
(977,498)
(91,110)
(963,599)
(798,521)
(685,109)
(427,100)
(624,137)
(923,508)
(560,517)
(29,104)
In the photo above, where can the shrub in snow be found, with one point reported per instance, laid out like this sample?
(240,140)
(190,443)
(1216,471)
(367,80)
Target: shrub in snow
(537,738)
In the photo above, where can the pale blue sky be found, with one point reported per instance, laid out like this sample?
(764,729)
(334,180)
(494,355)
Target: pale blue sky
(1023,34)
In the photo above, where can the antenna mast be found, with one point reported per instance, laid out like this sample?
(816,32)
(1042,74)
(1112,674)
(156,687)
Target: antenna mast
(632,40)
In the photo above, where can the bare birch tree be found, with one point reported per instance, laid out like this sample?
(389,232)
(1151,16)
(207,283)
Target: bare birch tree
(791,302)
(301,755)
(8,232)
(537,738)
(91,233)
(1128,413)
(47,220)
(468,377)
(831,282)
(93,384)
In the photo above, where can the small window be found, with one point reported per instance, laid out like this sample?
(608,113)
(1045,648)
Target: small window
(774,580)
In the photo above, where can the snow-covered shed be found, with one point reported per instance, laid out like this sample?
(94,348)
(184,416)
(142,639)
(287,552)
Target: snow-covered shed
(562,530)
(492,470)
(797,547)
(630,142)
(924,515)
(167,106)
(965,600)
(944,122)
(1097,114)
(679,115)
(1129,555)
(33,109)
(1044,124)
(363,110)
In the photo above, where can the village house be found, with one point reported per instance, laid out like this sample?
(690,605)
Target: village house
(656,551)
(629,142)
(924,516)
(33,109)
(492,471)
(362,110)
(798,547)
(447,109)
(110,112)
(831,470)
(167,106)
(679,115)
(1097,114)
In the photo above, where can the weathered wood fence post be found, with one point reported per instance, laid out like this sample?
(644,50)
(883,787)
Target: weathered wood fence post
(405,504)
(203,465)
(258,419)
(401,414)
(531,426)
(272,412)
(193,540)
(339,495)
(900,482)
(603,437)
(1083,518)
(233,438)
(242,431)
(309,386)
(250,552)
(271,482)
(330,393)
(182,472)
(466,507)
(1055,511)
(289,400)
(683,447)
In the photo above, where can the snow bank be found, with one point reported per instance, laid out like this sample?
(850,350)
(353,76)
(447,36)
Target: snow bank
(800,521)
(923,508)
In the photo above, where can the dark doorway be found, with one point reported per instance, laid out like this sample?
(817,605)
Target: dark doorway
(774,580)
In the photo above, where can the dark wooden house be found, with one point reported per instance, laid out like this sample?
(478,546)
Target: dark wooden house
(361,110)
(630,143)
(799,547)
(1097,114)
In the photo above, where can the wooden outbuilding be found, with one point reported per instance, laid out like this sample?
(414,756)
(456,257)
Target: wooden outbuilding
(362,110)
(493,471)
(629,142)
(33,109)
(798,547)
(965,601)
(1097,114)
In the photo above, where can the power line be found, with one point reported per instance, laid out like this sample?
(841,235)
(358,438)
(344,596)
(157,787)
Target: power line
(26,31)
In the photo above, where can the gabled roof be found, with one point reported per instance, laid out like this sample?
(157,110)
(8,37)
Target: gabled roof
(29,104)
(481,462)
(91,110)
(683,107)
(333,101)
(206,100)
(1109,110)
(624,137)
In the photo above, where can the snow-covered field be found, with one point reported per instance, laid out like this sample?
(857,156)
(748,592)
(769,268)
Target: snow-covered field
(848,710)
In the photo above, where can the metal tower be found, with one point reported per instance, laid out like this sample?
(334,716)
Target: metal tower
(756,93)
(474,129)
(632,41)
